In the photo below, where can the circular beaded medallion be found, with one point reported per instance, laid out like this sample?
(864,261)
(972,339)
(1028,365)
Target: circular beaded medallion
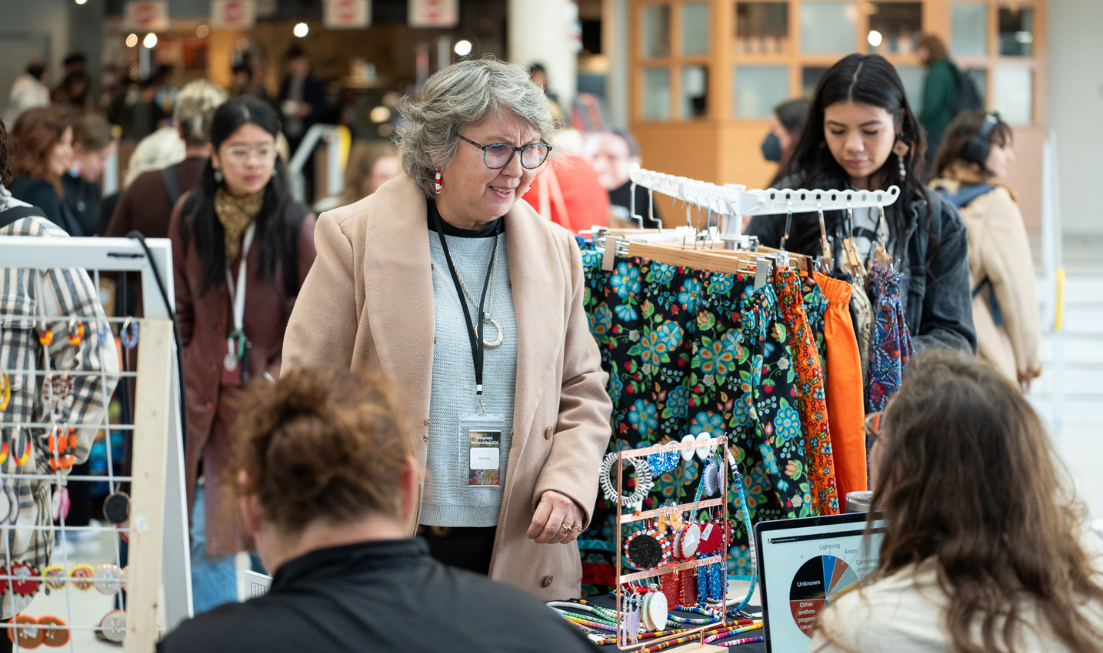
(55,577)
(644,480)
(647,549)
(108,579)
(114,626)
(657,611)
(24,579)
(26,633)
(81,576)
(55,632)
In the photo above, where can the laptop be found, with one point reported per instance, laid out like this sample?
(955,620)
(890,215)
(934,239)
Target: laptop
(806,564)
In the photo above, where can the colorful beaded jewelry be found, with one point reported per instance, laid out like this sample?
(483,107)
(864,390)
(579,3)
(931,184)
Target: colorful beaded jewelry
(655,611)
(57,393)
(60,444)
(54,577)
(81,576)
(709,478)
(46,336)
(647,549)
(26,632)
(76,333)
(663,462)
(712,538)
(55,631)
(129,334)
(108,579)
(5,392)
(116,508)
(103,335)
(22,460)
(24,580)
(113,626)
(644,481)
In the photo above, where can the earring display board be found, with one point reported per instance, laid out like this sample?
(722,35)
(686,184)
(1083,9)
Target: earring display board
(55,392)
(657,554)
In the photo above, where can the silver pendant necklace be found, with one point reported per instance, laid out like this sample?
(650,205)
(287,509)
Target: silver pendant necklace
(497,341)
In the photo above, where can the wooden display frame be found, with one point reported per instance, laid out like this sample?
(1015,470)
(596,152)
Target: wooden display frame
(622,518)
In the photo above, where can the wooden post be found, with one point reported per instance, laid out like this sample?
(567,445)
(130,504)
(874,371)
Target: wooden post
(151,429)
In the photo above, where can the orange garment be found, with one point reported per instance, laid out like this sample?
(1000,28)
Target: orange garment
(813,408)
(568,193)
(845,407)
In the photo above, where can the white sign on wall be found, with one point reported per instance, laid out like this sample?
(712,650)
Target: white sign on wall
(233,14)
(434,13)
(147,15)
(348,14)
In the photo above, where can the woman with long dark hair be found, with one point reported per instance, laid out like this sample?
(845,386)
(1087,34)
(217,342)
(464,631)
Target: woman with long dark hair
(862,134)
(241,249)
(984,546)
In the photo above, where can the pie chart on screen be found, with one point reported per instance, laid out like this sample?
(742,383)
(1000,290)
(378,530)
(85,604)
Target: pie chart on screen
(817,584)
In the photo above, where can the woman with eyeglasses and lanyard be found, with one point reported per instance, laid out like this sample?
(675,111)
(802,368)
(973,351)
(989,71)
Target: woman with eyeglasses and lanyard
(472,304)
(240,251)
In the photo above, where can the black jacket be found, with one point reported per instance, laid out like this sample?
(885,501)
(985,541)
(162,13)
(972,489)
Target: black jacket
(42,194)
(83,199)
(379,597)
(938,305)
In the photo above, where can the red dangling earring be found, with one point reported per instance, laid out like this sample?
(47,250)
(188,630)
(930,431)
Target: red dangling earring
(437,183)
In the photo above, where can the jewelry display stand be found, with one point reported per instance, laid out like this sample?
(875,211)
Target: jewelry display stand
(634,515)
(156,520)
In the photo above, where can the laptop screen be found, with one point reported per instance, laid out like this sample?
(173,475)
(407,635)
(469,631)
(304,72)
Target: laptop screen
(804,565)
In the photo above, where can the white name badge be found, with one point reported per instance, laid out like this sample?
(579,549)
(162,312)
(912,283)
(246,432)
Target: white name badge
(482,438)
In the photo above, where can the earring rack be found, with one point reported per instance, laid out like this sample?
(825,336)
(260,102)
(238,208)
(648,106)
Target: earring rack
(156,526)
(733,201)
(634,515)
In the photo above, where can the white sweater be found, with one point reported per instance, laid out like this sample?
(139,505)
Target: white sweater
(904,613)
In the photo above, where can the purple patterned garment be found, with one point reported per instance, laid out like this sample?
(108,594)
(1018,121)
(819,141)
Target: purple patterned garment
(892,345)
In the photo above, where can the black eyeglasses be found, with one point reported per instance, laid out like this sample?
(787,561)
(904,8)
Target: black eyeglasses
(498,155)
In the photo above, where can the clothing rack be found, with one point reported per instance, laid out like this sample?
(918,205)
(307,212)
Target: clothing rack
(735,201)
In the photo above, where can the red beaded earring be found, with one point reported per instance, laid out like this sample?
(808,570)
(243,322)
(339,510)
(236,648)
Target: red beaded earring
(437,183)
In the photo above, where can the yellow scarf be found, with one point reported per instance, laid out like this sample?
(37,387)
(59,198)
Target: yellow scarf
(236,214)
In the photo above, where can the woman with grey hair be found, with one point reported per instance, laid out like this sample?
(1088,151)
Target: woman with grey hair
(472,304)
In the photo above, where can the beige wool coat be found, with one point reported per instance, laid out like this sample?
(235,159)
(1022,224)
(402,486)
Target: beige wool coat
(368,304)
(999,251)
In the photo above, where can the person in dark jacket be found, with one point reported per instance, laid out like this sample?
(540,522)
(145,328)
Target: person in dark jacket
(43,153)
(327,483)
(303,103)
(940,90)
(93,145)
(862,135)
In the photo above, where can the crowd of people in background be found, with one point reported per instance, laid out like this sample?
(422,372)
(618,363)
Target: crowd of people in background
(209,172)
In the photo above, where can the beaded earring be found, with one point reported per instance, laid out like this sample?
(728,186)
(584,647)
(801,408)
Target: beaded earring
(901,150)
(76,333)
(129,334)
(24,579)
(437,184)
(5,392)
(218,177)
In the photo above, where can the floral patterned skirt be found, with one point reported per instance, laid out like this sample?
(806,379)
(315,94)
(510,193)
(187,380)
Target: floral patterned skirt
(689,352)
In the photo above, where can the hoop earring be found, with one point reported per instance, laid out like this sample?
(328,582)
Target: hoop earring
(218,176)
(437,184)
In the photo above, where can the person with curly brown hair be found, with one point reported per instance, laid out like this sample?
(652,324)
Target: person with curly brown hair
(984,547)
(328,485)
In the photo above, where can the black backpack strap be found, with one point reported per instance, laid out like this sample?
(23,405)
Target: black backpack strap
(168,174)
(15,213)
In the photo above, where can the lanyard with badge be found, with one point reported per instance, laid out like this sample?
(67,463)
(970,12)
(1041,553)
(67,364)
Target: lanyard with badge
(235,365)
(479,431)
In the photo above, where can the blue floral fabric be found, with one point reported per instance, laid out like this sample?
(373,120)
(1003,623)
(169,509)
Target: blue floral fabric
(892,346)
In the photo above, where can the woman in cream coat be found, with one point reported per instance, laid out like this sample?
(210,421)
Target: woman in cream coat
(397,287)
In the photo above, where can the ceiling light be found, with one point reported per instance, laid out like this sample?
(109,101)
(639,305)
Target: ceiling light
(301,30)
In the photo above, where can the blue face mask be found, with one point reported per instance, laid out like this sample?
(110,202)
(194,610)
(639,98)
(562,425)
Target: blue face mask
(771,148)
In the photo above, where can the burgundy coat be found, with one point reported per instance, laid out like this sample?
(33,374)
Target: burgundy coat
(205,321)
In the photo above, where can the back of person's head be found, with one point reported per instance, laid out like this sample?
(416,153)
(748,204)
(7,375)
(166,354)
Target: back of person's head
(36,69)
(968,480)
(195,106)
(242,69)
(75,60)
(36,132)
(160,149)
(962,144)
(322,446)
(792,114)
(93,133)
(294,52)
(935,46)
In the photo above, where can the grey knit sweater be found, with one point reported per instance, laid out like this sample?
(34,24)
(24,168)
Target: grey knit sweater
(447,500)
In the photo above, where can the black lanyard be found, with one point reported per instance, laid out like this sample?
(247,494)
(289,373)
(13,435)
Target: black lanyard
(475,334)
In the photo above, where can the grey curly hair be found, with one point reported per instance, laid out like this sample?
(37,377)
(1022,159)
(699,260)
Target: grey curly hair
(458,96)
